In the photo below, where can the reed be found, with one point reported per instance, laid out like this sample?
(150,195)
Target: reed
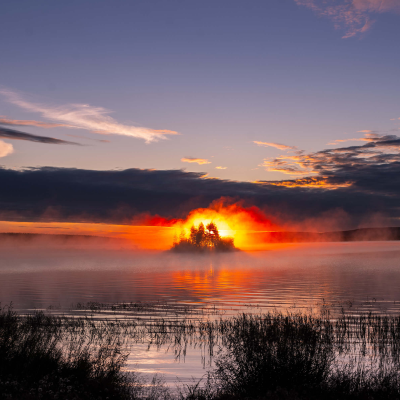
(265,356)
(51,357)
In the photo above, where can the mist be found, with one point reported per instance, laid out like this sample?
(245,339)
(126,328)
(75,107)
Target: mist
(43,272)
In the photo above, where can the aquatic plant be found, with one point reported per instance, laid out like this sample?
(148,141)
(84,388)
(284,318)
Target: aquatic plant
(277,356)
(50,357)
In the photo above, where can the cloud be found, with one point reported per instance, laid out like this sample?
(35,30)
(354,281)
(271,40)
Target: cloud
(368,136)
(199,161)
(309,182)
(120,196)
(221,167)
(39,124)
(339,141)
(379,151)
(276,145)
(6,133)
(353,16)
(5,149)
(87,138)
(85,116)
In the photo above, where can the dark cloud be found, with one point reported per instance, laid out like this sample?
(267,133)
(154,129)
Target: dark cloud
(119,196)
(6,133)
(40,124)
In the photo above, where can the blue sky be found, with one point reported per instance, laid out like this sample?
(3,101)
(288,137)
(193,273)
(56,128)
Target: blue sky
(222,74)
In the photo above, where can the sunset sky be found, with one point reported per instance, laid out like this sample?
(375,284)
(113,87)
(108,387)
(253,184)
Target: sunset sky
(111,110)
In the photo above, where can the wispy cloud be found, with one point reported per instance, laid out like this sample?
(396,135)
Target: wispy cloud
(353,16)
(5,149)
(368,137)
(199,161)
(340,141)
(39,124)
(87,138)
(276,145)
(286,165)
(85,116)
(379,150)
(314,182)
(6,133)
(221,167)
(368,132)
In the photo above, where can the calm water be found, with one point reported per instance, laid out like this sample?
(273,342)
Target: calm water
(361,276)
(282,277)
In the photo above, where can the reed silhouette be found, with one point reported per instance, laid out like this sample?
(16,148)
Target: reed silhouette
(272,356)
(203,239)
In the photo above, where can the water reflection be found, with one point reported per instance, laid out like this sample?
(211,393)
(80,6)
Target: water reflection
(300,275)
(364,276)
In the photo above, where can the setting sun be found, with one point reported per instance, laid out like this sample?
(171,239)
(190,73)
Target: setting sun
(232,220)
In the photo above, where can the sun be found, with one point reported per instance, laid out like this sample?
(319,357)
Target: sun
(207,216)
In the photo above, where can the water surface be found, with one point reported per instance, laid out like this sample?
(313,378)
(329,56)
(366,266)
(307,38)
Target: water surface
(357,276)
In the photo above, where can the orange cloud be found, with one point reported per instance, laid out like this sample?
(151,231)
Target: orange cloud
(290,165)
(309,182)
(199,161)
(338,141)
(276,145)
(220,167)
(369,136)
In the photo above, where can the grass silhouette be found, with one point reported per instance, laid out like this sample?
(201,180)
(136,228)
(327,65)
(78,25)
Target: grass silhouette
(272,356)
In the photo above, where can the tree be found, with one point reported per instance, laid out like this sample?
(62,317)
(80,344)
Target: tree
(200,235)
(212,234)
(202,239)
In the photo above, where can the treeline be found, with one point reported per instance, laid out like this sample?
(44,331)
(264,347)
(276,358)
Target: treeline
(355,235)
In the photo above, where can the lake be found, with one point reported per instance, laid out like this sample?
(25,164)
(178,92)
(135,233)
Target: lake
(357,276)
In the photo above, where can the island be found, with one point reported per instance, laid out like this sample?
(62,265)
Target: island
(203,239)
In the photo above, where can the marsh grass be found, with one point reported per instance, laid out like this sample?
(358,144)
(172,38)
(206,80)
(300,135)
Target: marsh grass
(265,356)
(50,357)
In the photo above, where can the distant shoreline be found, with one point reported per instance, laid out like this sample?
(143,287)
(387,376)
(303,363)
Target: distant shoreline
(353,235)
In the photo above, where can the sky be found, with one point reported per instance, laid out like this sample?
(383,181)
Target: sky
(283,99)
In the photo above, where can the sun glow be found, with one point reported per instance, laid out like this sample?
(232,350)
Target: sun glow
(232,220)
(248,226)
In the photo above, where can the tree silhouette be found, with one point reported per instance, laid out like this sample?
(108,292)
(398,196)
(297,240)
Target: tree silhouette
(203,239)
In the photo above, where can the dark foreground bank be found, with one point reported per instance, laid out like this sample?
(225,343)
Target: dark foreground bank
(271,356)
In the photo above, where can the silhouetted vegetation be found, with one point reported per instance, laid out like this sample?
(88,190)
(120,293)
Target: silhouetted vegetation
(269,356)
(297,357)
(49,357)
(203,239)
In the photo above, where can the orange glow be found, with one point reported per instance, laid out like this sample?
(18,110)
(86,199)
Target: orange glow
(246,225)
(232,220)
(144,237)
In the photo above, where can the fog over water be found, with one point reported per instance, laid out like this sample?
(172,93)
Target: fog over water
(357,276)
(39,276)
